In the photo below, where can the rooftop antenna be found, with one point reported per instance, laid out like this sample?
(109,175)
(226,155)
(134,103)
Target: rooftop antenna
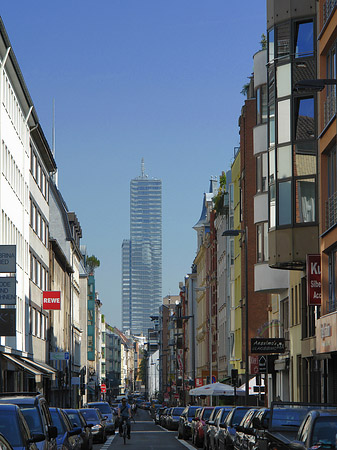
(143,168)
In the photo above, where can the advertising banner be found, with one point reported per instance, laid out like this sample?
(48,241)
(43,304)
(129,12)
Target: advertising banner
(52,300)
(199,382)
(7,291)
(268,345)
(7,258)
(314,279)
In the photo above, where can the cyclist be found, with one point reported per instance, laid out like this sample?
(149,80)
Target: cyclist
(124,414)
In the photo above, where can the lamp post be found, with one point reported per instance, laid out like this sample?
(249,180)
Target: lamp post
(245,234)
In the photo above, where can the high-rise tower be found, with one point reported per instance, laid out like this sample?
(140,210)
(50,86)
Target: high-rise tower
(142,255)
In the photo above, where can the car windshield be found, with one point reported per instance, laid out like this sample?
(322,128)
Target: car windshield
(105,409)
(32,417)
(290,417)
(177,411)
(207,413)
(9,428)
(238,416)
(325,431)
(58,422)
(191,412)
(89,414)
(75,419)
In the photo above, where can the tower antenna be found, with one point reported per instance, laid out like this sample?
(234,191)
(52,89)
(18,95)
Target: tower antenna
(143,168)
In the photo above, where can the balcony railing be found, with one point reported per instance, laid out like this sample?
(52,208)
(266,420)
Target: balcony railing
(328,7)
(329,106)
(331,211)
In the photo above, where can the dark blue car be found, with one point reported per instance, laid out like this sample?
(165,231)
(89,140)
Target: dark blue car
(67,436)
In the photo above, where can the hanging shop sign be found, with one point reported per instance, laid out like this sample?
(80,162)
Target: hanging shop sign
(267,345)
(7,322)
(7,291)
(314,279)
(52,300)
(7,258)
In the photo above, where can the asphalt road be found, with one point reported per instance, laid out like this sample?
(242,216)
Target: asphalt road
(145,435)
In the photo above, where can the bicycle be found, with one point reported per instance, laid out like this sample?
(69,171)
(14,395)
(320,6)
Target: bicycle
(125,431)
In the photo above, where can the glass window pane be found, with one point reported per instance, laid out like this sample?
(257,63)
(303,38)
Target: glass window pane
(305,119)
(283,77)
(259,173)
(304,39)
(283,40)
(283,121)
(271,45)
(264,171)
(305,200)
(272,206)
(271,166)
(259,243)
(271,125)
(284,203)
(264,105)
(284,162)
(265,242)
(305,159)
(258,105)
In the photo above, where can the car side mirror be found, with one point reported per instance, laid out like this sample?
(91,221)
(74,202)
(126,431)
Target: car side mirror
(36,438)
(75,431)
(105,417)
(52,432)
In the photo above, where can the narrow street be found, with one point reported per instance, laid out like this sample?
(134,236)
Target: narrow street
(145,435)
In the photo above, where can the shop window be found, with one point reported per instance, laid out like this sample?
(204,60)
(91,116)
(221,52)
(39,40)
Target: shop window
(284,163)
(304,118)
(306,200)
(283,121)
(304,39)
(283,80)
(284,203)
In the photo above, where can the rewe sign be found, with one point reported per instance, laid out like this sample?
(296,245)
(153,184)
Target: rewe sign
(314,279)
(51,300)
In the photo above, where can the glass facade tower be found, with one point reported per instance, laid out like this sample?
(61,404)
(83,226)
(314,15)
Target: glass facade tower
(142,255)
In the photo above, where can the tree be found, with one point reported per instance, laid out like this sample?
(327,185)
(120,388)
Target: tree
(142,370)
(263,42)
(92,263)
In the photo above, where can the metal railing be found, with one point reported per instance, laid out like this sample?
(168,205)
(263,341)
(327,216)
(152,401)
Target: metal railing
(328,7)
(331,211)
(329,106)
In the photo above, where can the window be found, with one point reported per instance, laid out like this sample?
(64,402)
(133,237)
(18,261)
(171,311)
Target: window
(261,172)
(283,77)
(284,163)
(306,200)
(304,39)
(284,203)
(90,344)
(271,125)
(283,121)
(261,105)
(271,45)
(304,118)
(283,40)
(262,242)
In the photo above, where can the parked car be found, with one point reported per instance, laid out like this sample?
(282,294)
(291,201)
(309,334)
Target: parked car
(173,418)
(214,429)
(158,414)
(163,418)
(185,422)
(199,431)
(77,420)
(94,417)
(227,428)
(35,410)
(318,430)
(244,430)
(14,428)
(4,444)
(194,423)
(107,412)
(209,424)
(67,436)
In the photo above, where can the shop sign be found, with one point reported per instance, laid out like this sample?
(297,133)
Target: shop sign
(198,382)
(314,279)
(326,334)
(7,291)
(103,388)
(7,322)
(254,364)
(267,345)
(52,300)
(7,258)
(263,364)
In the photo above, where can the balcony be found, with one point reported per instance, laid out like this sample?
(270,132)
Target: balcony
(329,106)
(331,211)
(328,8)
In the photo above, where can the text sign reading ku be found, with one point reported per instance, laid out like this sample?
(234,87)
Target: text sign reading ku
(7,258)
(7,291)
(51,300)
(265,345)
(314,279)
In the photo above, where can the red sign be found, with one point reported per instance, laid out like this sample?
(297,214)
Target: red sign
(198,382)
(314,279)
(254,364)
(176,395)
(103,388)
(51,300)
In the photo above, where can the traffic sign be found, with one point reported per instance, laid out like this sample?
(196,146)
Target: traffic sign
(59,356)
(103,388)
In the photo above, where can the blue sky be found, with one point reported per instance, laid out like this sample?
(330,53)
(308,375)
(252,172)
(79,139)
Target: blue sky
(137,78)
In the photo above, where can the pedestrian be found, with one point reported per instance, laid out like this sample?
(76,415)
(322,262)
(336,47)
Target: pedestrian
(124,413)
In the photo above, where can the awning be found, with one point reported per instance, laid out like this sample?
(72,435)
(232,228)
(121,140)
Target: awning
(22,365)
(45,368)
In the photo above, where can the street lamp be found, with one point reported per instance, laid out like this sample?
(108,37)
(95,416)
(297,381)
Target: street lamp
(245,233)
